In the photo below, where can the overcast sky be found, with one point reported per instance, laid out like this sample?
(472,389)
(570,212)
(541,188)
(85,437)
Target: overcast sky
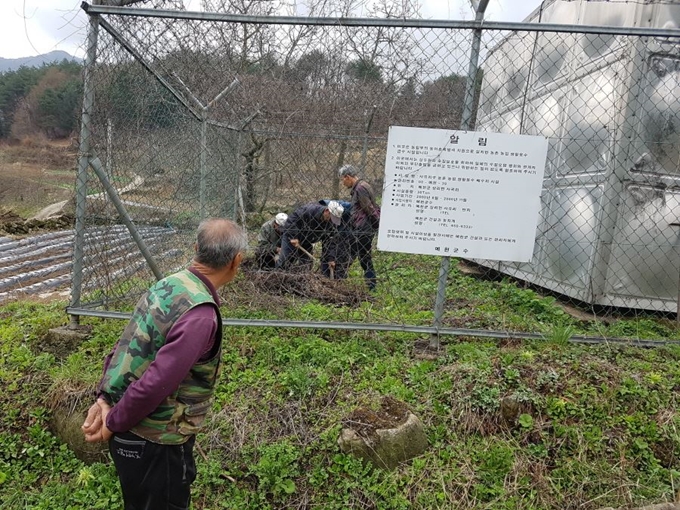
(33,27)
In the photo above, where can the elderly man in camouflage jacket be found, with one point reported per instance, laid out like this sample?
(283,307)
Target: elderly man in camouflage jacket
(159,379)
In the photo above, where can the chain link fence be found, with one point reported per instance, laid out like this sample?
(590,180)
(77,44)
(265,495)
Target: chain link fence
(189,115)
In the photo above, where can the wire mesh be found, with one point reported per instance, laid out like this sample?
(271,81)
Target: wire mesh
(608,105)
(229,117)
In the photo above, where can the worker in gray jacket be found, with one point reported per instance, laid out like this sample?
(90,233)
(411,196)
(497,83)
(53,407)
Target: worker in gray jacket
(269,242)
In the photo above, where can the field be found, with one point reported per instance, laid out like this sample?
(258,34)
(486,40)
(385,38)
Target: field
(34,174)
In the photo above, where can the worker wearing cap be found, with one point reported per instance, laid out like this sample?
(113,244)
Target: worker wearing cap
(336,250)
(269,241)
(309,223)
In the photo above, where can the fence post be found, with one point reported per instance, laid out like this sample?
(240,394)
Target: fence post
(465,121)
(83,163)
(238,205)
(125,217)
(203,171)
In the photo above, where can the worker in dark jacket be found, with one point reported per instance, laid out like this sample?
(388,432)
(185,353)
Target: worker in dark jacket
(336,250)
(309,223)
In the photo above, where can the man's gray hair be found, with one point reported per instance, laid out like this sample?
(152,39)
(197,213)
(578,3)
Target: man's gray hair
(350,170)
(218,241)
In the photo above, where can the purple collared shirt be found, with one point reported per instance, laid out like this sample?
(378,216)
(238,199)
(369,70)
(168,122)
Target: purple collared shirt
(189,339)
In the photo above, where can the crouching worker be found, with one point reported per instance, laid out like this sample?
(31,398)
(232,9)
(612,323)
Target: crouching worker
(159,380)
(309,224)
(336,250)
(269,242)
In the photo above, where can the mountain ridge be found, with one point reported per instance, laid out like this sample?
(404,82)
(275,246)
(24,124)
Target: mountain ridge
(12,64)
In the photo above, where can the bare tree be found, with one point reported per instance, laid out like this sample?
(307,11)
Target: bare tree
(251,170)
(250,42)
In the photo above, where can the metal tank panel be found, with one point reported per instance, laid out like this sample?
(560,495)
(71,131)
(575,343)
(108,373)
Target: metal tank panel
(566,240)
(645,230)
(594,46)
(562,261)
(537,258)
(552,49)
(545,118)
(571,234)
(551,55)
(660,114)
(644,260)
(577,95)
(510,122)
(516,72)
(546,115)
(517,83)
(590,117)
(566,12)
(665,15)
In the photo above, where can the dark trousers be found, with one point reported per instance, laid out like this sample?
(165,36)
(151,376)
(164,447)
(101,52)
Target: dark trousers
(153,476)
(337,249)
(363,242)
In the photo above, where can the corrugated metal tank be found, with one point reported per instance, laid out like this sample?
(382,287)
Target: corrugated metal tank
(609,231)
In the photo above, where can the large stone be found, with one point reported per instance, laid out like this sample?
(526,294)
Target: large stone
(59,209)
(386,437)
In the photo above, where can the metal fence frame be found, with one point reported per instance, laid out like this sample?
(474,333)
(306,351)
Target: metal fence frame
(87,157)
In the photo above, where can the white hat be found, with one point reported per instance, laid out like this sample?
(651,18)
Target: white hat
(336,211)
(281,218)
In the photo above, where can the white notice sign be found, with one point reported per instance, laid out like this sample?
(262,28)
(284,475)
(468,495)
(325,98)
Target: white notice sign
(462,193)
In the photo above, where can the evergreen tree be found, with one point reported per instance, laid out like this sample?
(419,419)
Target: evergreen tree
(43,98)
(58,109)
(14,86)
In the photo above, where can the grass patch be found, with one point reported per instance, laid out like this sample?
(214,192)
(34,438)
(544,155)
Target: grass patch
(529,424)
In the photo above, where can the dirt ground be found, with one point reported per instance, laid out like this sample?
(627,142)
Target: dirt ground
(34,174)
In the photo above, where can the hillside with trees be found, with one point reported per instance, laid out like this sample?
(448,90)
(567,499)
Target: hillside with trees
(40,101)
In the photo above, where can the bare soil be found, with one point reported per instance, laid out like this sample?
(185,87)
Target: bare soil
(366,421)
(34,174)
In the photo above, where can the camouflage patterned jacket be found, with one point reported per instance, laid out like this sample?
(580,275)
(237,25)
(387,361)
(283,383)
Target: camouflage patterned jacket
(182,413)
(269,239)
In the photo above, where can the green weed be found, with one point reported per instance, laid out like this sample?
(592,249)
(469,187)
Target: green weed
(593,424)
(560,334)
